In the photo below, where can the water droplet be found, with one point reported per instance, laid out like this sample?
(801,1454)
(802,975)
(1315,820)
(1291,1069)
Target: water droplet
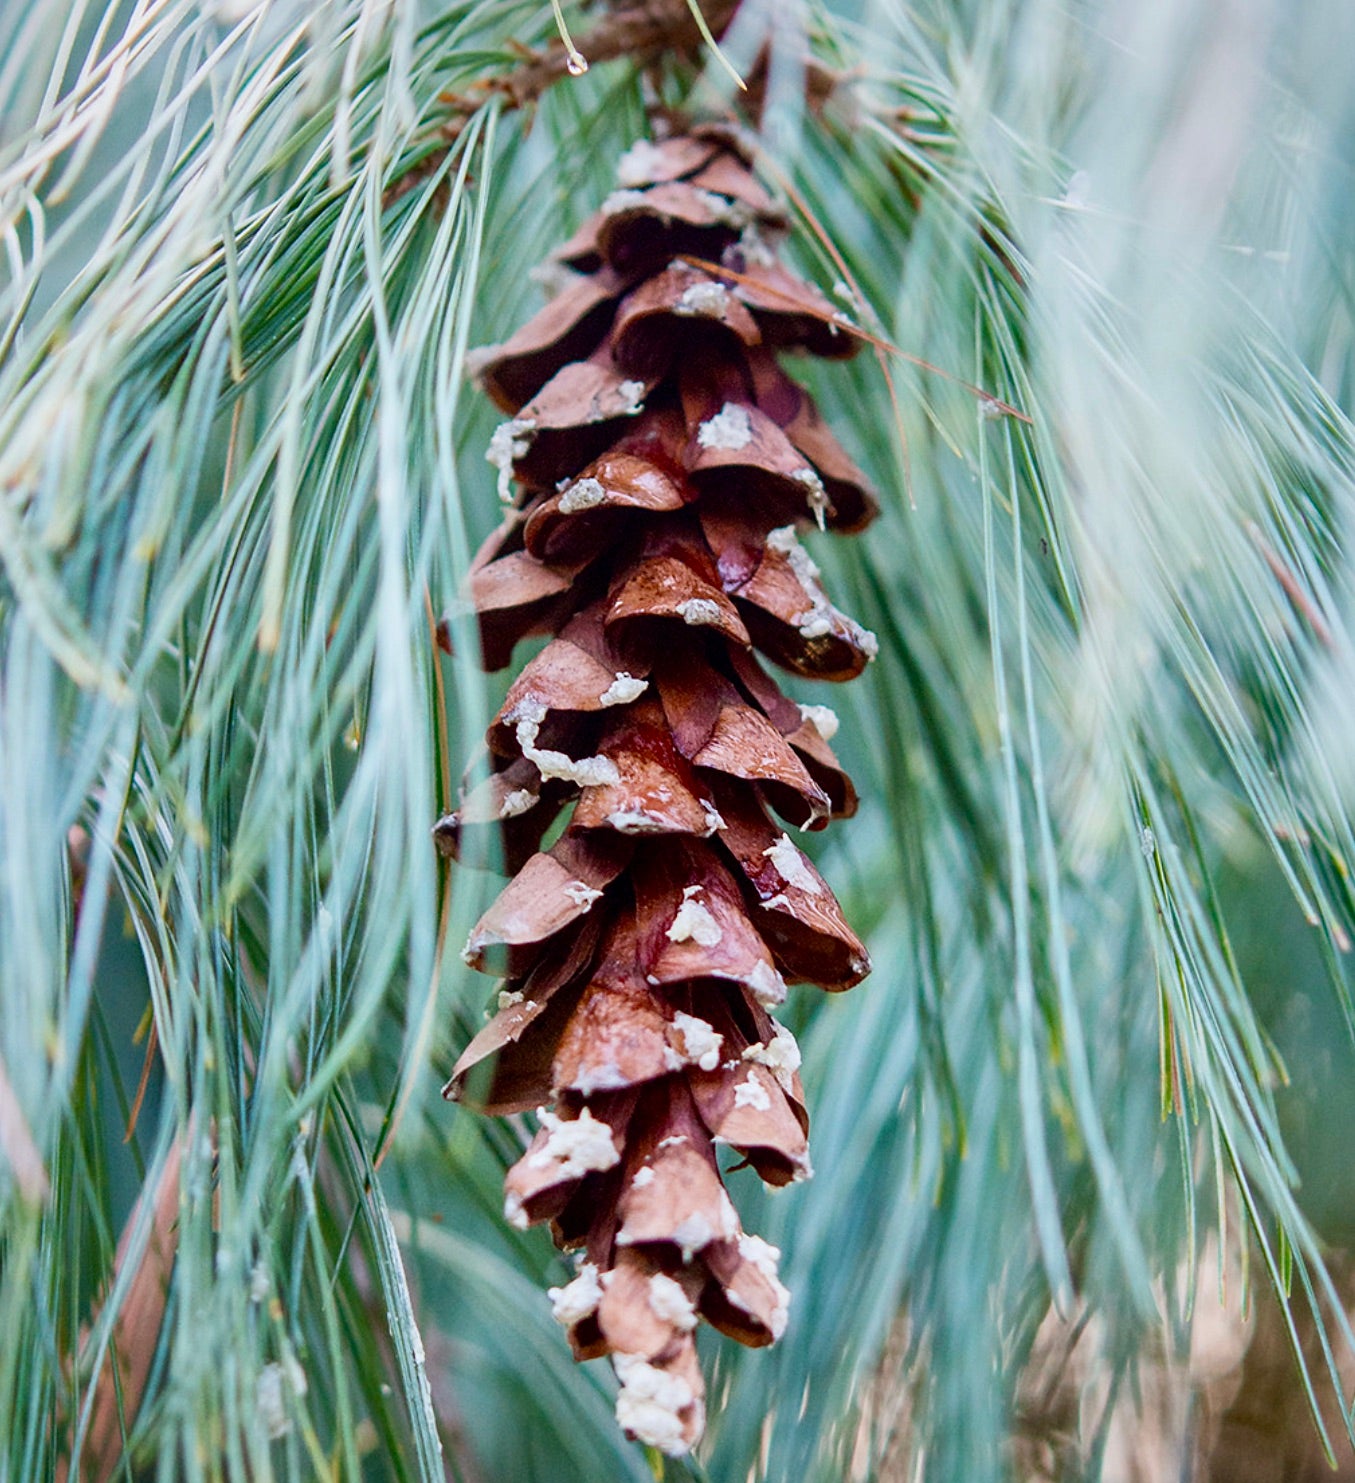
(576,64)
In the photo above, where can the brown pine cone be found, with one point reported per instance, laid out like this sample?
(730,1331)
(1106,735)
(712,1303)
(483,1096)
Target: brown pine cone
(663,462)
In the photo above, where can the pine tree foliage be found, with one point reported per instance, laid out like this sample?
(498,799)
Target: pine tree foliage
(1103,846)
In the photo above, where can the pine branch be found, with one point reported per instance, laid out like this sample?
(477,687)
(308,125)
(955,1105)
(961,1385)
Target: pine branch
(1102,858)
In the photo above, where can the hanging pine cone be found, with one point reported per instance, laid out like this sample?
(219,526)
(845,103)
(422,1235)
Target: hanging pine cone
(663,462)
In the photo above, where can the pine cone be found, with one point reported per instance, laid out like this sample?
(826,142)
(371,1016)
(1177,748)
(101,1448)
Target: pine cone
(663,462)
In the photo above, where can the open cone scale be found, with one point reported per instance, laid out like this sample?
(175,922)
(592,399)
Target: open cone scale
(657,464)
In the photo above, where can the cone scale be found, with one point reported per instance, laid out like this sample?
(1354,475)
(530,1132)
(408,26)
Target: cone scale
(658,466)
